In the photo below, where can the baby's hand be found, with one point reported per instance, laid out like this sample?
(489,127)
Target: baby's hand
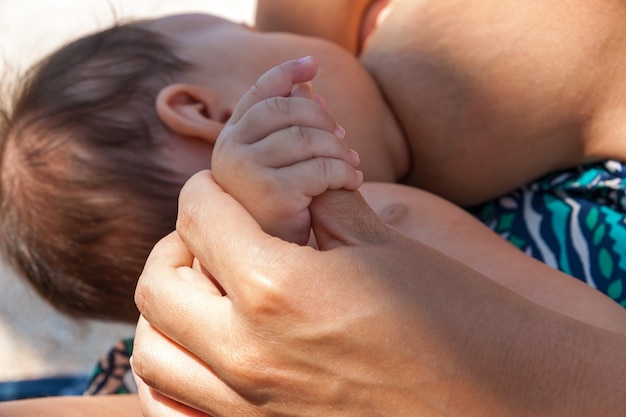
(280,149)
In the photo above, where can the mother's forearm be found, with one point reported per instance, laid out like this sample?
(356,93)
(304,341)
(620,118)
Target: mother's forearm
(529,361)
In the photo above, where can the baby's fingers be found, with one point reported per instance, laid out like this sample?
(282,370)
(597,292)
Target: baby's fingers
(278,81)
(297,143)
(313,177)
(277,113)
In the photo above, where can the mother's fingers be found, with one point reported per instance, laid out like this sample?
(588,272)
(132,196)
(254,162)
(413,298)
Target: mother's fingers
(174,381)
(170,263)
(154,404)
(170,252)
(178,299)
(229,242)
(278,81)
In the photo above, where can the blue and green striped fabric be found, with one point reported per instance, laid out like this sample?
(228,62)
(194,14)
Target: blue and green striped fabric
(573,220)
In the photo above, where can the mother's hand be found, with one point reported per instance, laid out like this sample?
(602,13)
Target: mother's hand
(299,330)
(372,324)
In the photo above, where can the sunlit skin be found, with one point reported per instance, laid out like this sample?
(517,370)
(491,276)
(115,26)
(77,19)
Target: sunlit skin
(486,101)
(470,344)
(201,38)
(512,63)
(228,58)
(489,95)
(275,172)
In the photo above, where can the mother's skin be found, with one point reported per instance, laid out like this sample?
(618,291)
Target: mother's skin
(584,102)
(497,353)
(529,86)
(96,406)
(399,328)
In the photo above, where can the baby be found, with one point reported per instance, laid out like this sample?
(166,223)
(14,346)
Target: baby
(104,133)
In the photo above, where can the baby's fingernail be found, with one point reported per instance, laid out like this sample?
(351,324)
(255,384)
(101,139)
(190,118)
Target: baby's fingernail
(320,101)
(305,60)
(340,132)
(355,156)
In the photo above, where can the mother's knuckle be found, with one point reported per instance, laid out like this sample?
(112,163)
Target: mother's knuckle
(140,365)
(187,216)
(250,369)
(270,298)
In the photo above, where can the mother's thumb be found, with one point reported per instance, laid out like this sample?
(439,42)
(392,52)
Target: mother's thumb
(343,218)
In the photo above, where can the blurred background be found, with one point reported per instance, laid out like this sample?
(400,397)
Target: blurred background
(38,345)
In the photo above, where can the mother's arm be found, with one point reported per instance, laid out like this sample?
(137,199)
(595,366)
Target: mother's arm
(96,406)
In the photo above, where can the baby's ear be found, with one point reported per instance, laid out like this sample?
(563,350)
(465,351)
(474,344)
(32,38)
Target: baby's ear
(192,111)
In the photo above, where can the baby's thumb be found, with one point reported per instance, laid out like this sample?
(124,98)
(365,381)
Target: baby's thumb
(343,218)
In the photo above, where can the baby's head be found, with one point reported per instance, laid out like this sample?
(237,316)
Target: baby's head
(84,195)
(103,133)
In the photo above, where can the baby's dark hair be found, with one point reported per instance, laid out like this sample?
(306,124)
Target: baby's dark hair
(83,195)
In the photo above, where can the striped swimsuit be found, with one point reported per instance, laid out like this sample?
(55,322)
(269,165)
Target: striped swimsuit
(573,220)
